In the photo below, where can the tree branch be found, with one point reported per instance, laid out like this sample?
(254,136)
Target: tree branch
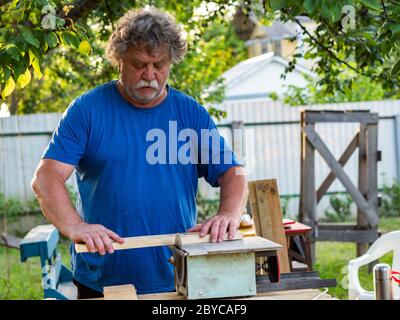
(315,40)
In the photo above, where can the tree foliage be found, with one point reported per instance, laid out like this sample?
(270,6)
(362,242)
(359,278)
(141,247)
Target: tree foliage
(360,89)
(369,47)
(43,68)
(50,52)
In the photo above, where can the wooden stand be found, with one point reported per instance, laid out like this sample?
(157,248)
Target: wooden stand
(365,196)
(300,232)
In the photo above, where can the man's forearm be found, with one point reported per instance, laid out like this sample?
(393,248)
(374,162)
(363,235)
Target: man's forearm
(233,192)
(55,203)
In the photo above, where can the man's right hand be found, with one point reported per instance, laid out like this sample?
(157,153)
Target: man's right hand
(95,236)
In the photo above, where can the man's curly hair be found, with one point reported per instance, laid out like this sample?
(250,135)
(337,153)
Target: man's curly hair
(147,29)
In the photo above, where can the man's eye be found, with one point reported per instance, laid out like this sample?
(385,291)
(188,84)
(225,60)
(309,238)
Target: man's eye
(138,65)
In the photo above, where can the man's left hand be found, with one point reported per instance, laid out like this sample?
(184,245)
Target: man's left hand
(218,226)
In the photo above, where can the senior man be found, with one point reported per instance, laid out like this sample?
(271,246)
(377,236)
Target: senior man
(138,148)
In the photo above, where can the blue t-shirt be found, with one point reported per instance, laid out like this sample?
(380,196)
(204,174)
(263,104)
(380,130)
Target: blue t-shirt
(128,183)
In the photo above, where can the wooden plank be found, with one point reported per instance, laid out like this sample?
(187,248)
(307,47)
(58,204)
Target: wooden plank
(358,236)
(342,161)
(157,240)
(305,294)
(254,206)
(337,226)
(270,218)
(122,292)
(247,244)
(341,175)
(340,116)
(362,222)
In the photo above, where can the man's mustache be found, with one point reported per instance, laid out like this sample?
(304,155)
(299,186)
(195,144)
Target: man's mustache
(143,83)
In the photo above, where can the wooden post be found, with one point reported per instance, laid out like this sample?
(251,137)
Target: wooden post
(310,198)
(397,142)
(302,161)
(372,157)
(362,222)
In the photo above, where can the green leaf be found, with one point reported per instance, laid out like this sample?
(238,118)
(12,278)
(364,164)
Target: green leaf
(395,28)
(36,68)
(278,4)
(372,4)
(310,5)
(24,78)
(70,40)
(31,56)
(7,73)
(396,68)
(9,87)
(332,11)
(13,51)
(32,17)
(295,11)
(85,48)
(51,39)
(30,38)
(18,69)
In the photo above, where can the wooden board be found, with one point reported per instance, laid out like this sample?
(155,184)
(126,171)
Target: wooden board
(267,215)
(122,292)
(305,294)
(157,240)
(247,244)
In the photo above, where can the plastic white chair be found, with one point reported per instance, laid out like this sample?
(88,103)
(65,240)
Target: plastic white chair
(385,244)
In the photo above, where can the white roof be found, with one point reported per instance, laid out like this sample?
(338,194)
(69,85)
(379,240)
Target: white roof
(261,75)
(248,67)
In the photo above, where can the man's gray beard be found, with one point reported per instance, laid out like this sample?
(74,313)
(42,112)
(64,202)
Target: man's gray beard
(141,100)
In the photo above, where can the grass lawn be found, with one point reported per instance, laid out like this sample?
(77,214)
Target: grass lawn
(23,280)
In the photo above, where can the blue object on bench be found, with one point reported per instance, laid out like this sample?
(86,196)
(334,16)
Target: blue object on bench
(42,242)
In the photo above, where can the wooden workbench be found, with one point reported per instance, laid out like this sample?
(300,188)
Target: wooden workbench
(304,294)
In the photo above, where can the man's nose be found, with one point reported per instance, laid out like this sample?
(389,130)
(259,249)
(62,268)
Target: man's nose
(149,73)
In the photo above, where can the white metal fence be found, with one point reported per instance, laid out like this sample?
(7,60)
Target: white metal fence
(272,145)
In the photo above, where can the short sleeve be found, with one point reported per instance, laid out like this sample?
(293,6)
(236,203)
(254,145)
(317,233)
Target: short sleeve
(215,155)
(68,142)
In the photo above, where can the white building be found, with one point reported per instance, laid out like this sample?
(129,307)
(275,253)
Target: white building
(260,76)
